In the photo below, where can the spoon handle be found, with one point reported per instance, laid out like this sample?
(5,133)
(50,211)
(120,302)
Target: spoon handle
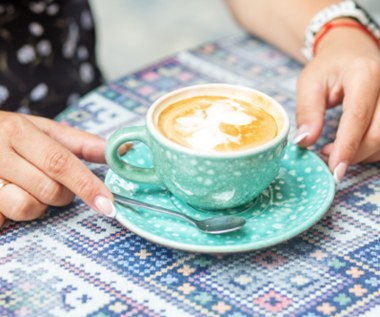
(131,202)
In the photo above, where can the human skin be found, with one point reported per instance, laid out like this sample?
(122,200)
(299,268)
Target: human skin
(344,70)
(41,159)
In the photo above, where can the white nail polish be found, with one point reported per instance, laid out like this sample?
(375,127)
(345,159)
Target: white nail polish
(340,171)
(301,133)
(113,212)
(105,206)
(300,137)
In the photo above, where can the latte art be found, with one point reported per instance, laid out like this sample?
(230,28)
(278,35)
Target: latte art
(217,123)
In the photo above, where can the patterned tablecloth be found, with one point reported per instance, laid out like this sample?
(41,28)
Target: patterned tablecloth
(74,262)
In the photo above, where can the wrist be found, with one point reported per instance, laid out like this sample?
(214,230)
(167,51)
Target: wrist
(345,34)
(324,19)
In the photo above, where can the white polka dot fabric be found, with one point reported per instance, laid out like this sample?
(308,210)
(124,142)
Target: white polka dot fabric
(48,53)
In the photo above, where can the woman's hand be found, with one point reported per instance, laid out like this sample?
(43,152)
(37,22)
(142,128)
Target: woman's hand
(345,70)
(40,159)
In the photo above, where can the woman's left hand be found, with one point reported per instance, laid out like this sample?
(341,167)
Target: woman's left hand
(345,70)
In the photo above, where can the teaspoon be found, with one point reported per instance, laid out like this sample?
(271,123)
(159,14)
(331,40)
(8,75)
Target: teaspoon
(214,225)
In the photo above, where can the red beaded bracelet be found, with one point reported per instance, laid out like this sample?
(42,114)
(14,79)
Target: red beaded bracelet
(328,26)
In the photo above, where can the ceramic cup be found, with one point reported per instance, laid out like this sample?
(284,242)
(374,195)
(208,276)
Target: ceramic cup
(217,180)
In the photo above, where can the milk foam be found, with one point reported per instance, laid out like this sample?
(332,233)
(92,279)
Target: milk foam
(215,123)
(203,126)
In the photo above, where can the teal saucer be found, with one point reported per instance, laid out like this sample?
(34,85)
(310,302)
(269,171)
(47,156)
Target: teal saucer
(296,200)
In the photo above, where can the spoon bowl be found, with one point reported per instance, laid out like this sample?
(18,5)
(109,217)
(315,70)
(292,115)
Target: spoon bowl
(220,224)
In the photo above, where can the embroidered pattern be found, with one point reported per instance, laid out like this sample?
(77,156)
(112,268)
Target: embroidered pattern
(73,262)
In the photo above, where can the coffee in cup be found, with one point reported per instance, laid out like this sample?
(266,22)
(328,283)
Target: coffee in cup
(217,123)
(214,146)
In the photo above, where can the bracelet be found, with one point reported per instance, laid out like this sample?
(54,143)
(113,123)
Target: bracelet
(328,26)
(344,9)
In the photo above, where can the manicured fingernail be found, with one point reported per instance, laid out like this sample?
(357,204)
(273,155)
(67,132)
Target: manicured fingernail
(340,171)
(125,148)
(105,206)
(301,133)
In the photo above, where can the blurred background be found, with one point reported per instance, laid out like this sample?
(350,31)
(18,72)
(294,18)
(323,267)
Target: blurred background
(135,33)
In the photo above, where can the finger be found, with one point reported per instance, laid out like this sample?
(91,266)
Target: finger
(125,148)
(326,150)
(63,166)
(87,146)
(358,107)
(2,220)
(32,180)
(311,106)
(370,144)
(373,158)
(16,204)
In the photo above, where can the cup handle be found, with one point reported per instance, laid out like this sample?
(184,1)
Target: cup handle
(122,168)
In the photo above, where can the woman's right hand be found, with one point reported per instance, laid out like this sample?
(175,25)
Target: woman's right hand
(41,160)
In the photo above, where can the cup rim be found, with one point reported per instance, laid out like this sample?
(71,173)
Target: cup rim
(154,132)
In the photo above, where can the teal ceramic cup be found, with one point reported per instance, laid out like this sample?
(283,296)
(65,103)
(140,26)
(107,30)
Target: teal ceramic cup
(217,180)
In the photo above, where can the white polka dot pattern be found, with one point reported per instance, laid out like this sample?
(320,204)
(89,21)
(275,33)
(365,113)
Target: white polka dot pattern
(298,198)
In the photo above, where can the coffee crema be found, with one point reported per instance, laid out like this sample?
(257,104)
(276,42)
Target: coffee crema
(217,123)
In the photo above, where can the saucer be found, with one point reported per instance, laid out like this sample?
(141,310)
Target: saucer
(300,195)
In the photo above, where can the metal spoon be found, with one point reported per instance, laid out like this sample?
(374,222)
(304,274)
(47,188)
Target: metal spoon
(214,225)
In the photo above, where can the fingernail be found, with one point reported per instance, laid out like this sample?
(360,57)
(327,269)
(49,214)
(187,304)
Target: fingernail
(125,148)
(301,133)
(340,171)
(105,206)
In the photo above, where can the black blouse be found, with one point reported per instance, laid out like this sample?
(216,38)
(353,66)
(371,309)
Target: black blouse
(47,54)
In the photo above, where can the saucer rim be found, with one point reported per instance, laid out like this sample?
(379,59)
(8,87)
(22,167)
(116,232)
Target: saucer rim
(227,249)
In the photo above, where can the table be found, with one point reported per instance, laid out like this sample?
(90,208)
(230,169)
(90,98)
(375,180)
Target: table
(74,262)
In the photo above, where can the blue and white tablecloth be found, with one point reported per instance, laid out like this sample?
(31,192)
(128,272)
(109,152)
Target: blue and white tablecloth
(74,262)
